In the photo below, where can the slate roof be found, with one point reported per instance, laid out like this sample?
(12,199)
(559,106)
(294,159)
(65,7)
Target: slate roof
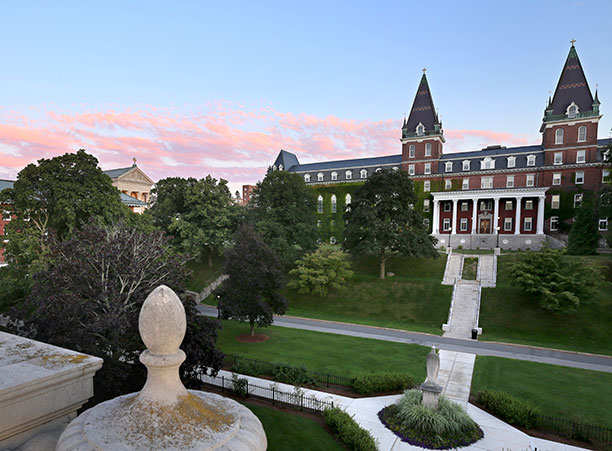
(115,173)
(488,152)
(572,87)
(6,184)
(287,159)
(423,110)
(340,164)
(131,201)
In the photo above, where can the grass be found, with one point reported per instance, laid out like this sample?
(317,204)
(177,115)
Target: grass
(507,314)
(317,351)
(412,299)
(559,391)
(470,268)
(286,431)
(202,274)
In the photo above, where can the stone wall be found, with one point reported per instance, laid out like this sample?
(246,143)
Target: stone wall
(509,242)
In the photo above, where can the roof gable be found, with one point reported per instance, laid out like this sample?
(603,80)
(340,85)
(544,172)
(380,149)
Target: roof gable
(572,87)
(287,159)
(133,173)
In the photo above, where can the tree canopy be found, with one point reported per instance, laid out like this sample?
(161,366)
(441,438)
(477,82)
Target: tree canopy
(382,220)
(583,237)
(250,294)
(317,272)
(89,299)
(284,213)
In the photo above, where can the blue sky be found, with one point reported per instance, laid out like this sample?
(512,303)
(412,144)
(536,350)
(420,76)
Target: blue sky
(334,68)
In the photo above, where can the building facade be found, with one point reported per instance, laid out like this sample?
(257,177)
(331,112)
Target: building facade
(509,197)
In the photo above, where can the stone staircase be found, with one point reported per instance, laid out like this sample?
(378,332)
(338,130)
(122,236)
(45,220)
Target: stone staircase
(463,316)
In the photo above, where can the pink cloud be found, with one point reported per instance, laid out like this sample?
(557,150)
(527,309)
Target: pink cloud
(208,140)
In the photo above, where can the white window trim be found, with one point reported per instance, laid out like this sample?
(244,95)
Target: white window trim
(528,178)
(320,177)
(425,205)
(507,224)
(577,200)
(555,201)
(556,179)
(307,178)
(427,186)
(448,166)
(511,162)
(599,225)
(446,225)
(555,162)
(528,220)
(463,224)
(465,184)
(559,136)
(584,138)
(581,153)
(531,160)
(334,175)
(428,149)
(581,182)
(411,170)
(486,182)
(420,129)
(348,175)
(569,107)
(465,163)
(411,151)
(509,181)
(334,203)
(554,220)
(427,169)
(363,173)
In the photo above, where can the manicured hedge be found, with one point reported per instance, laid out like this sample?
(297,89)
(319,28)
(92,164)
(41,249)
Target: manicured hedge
(382,382)
(354,437)
(509,408)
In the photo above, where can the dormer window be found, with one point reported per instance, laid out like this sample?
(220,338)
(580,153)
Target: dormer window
(531,160)
(280,167)
(448,166)
(420,130)
(511,162)
(378,169)
(320,176)
(487,163)
(274,168)
(307,178)
(334,175)
(572,110)
(364,174)
(348,175)
(466,165)
(559,136)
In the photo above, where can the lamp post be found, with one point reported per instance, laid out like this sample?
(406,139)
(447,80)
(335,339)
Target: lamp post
(497,228)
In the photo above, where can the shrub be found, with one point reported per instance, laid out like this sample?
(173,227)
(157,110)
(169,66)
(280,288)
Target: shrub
(240,386)
(248,367)
(511,409)
(382,382)
(292,375)
(319,271)
(355,437)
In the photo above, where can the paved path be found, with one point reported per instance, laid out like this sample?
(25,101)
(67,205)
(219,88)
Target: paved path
(487,270)
(454,266)
(498,435)
(463,316)
(455,375)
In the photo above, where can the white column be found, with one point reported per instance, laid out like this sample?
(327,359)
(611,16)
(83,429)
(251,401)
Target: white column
(495,215)
(454,217)
(435,229)
(517,219)
(540,229)
(474,215)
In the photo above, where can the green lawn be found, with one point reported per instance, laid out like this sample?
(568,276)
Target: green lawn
(507,314)
(317,351)
(413,299)
(202,274)
(286,431)
(559,391)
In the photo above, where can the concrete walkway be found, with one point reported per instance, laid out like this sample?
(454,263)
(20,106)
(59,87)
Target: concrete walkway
(498,435)
(463,315)
(454,267)
(487,270)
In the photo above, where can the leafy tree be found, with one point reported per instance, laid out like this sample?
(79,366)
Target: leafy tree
(284,212)
(584,235)
(319,271)
(382,220)
(250,294)
(198,213)
(557,283)
(89,300)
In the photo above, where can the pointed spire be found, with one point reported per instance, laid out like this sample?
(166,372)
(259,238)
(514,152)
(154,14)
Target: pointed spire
(572,87)
(423,110)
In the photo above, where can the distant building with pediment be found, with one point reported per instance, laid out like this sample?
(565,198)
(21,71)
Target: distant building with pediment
(134,185)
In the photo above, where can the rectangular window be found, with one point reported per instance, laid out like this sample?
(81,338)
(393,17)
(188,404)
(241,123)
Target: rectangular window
(465,184)
(448,166)
(511,162)
(466,165)
(529,180)
(528,205)
(557,178)
(579,177)
(411,151)
(428,150)
(464,206)
(486,205)
(603,225)
(426,186)
(555,201)
(527,225)
(426,205)
(580,156)
(427,168)
(605,176)
(508,205)
(558,158)
(448,184)
(426,223)
(447,206)
(507,224)
(554,223)
(463,225)
(446,224)
(486,182)
(410,169)
(510,181)
(577,200)
(531,160)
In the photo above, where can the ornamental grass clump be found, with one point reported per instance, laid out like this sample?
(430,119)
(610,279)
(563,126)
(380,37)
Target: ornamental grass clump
(447,426)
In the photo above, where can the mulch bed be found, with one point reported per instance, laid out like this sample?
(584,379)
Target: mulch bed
(248,338)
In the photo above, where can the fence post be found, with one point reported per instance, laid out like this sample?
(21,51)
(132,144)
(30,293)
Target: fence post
(327,380)
(272,395)
(222,384)
(302,402)
(247,384)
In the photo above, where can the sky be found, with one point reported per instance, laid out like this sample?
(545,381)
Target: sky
(198,88)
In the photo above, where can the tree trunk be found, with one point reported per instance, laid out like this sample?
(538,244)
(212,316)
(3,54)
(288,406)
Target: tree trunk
(252,329)
(210,259)
(382,266)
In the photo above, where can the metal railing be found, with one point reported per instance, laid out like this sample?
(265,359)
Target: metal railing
(590,433)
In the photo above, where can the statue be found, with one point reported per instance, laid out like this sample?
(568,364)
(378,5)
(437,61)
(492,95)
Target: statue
(431,389)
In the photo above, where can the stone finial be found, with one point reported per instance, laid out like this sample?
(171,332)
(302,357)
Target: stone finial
(433,367)
(162,324)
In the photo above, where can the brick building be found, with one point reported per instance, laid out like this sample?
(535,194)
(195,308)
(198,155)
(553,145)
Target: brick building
(512,197)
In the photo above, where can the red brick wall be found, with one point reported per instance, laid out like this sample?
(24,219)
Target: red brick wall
(570,135)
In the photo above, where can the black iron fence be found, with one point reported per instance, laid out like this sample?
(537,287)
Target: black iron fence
(254,367)
(590,433)
(297,399)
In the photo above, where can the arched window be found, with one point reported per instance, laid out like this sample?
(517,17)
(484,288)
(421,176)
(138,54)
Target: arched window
(348,175)
(320,204)
(420,130)
(332,240)
(347,199)
(274,168)
(411,151)
(582,131)
(559,136)
(428,150)
(364,174)
(333,203)
(320,177)
(307,178)
(378,169)
(334,175)
(572,110)
(395,168)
